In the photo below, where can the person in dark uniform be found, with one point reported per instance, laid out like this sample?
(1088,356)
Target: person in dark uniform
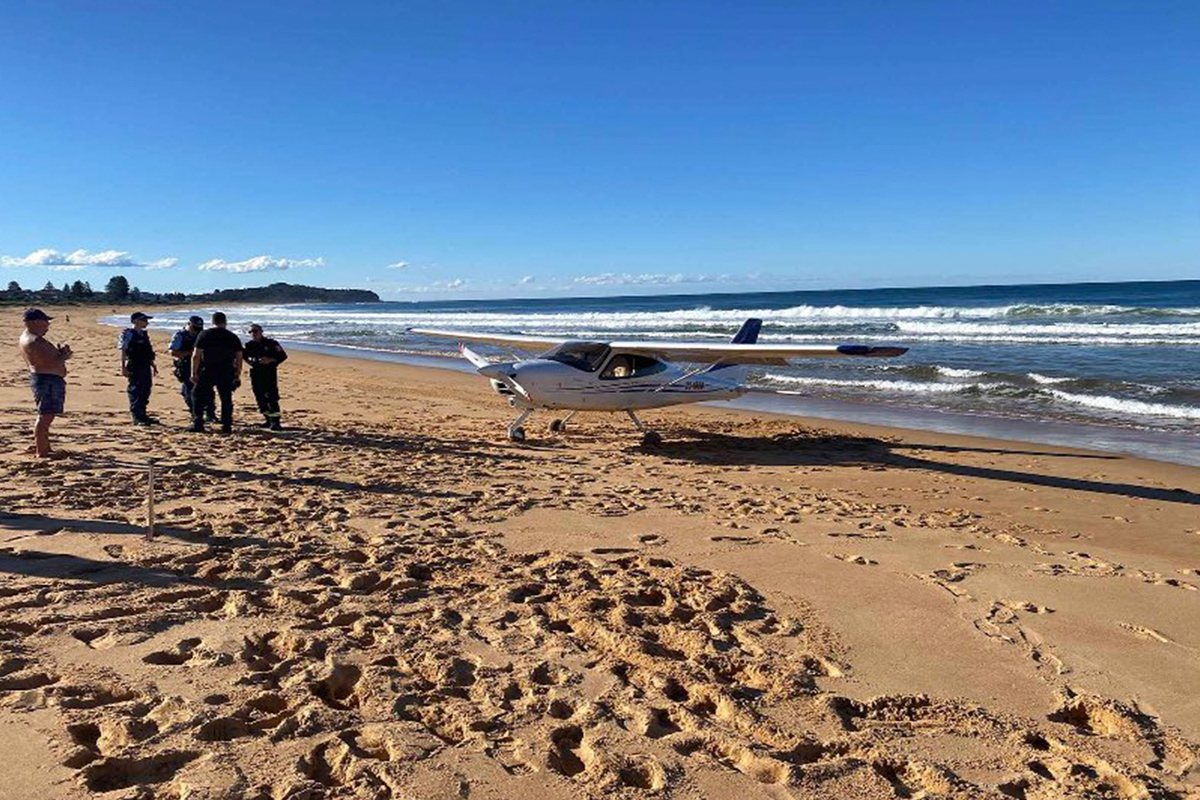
(181,348)
(264,357)
(216,364)
(137,365)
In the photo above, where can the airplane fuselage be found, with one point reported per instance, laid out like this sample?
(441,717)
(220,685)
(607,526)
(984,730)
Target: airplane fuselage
(554,385)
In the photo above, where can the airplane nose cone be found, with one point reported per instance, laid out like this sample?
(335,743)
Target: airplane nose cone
(526,375)
(497,371)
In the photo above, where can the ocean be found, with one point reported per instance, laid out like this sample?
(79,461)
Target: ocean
(1120,356)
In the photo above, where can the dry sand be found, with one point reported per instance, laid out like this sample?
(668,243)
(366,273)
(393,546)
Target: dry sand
(390,600)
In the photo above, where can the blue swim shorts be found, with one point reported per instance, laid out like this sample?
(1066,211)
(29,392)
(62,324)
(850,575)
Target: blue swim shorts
(49,392)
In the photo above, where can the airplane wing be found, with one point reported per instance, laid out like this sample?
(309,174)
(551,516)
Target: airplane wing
(692,352)
(704,353)
(512,340)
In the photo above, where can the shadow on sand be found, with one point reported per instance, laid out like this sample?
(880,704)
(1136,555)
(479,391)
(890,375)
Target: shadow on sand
(39,564)
(46,525)
(409,442)
(799,449)
(167,466)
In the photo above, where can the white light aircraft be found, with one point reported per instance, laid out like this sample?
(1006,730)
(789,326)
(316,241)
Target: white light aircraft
(580,375)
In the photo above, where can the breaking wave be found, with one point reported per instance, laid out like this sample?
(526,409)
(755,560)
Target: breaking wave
(1120,405)
(1046,379)
(909,387)
(1127,406)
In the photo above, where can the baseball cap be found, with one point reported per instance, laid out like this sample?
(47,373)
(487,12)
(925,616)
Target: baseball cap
(254,327)
(32,314)
(196,320)
(135,316)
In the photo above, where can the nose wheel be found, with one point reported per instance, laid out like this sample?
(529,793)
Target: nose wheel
(516,433)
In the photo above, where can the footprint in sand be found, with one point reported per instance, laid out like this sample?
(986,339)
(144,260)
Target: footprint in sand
(862,561)
(569,755)
(112,774)
(182,653)
(1142,632)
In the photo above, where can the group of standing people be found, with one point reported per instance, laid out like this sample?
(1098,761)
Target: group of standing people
(208,364)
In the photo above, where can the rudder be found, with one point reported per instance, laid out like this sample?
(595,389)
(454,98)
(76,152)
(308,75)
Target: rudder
(748,333)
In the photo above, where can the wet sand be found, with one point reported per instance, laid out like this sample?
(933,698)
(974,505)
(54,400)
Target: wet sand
(389,599)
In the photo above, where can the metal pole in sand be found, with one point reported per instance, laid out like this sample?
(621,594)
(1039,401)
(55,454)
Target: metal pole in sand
(150,500)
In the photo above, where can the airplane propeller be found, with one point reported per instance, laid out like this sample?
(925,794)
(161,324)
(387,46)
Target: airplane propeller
(504,373)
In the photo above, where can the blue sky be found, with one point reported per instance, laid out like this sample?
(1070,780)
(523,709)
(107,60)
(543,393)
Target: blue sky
(447,149)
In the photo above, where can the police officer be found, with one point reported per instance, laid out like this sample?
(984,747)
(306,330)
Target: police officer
(181,348)
(216,364)
(264,357)
(137,365)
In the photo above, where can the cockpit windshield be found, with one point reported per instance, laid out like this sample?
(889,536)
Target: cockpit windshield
(587,356)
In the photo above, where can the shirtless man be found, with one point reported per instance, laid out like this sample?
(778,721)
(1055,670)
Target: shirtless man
(47,376)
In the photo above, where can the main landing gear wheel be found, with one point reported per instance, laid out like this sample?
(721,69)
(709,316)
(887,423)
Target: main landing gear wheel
(558,426)
(651,439)
(517,434)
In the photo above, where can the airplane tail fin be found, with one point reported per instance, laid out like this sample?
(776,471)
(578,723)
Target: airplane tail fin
(736,373)
(748,333)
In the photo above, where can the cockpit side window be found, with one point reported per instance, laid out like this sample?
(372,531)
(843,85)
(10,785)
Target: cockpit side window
(625,365)
(586,356)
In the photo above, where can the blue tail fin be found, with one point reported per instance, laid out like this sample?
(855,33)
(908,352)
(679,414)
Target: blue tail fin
(736,373)
(749,332)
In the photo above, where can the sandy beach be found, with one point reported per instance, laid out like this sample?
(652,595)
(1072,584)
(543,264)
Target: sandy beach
(388,599)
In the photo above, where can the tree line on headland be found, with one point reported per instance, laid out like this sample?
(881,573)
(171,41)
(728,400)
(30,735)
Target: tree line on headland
(118,290)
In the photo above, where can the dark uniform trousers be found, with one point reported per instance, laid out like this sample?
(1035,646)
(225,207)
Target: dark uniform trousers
(141,381)
(202,397)
(186,388)
(265,382)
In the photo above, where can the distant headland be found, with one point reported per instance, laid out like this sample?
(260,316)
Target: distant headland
(118,290)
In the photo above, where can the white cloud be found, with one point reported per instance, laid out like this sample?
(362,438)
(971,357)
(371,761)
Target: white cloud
(260,264)
(528,279)
(57,260)
(398,265)
(641,279)
(433,288)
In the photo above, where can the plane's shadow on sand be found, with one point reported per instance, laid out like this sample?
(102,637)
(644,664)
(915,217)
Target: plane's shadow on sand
(795,450)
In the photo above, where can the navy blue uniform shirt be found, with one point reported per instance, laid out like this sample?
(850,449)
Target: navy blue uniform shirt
(136,346)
